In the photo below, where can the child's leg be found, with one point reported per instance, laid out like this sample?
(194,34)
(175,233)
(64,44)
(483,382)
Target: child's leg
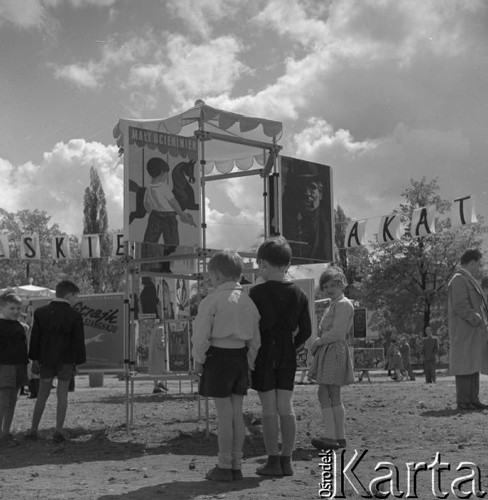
(8,415)
(239,432)
(270,421)
(225,431)
(62,406)
(44,391)
(272,467)
(327,411)
(287,420)
(338,410)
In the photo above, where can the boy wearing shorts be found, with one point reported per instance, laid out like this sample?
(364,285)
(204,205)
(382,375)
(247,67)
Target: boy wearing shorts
(57,346)
(285,325)
(225,343)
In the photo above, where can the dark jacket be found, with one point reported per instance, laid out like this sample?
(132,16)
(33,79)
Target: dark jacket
(57,335)
(13,343)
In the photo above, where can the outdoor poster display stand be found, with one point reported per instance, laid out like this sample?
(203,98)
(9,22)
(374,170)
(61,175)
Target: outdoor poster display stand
(167,164)
(173,159)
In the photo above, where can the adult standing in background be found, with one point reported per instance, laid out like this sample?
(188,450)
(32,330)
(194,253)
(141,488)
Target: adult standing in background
(430,348)
(468,331)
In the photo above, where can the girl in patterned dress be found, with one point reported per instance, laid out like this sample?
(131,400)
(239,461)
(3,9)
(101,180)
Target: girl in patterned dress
(332,366)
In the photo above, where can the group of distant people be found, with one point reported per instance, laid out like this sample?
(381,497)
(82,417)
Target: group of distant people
(398,358)
(56,347)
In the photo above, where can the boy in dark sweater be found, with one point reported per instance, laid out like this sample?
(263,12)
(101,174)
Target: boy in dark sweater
(57,346)
(13,361)
(285,325)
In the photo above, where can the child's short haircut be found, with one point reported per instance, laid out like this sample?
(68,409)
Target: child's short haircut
(9,296)
(332,273)
(155,166)
(228,262)
(275,251)
(64,287)
(471,254)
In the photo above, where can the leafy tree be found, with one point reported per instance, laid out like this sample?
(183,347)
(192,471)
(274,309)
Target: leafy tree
(406,281)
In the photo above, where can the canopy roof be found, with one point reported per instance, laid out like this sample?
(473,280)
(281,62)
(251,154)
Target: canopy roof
(220,154)
(31,291)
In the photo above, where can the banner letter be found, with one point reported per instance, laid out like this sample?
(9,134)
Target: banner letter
(423,222)
(60,247)
(29,246)
(118,245)
(355,233)
(391,228)
(90,246)
(463,212)
(4,247)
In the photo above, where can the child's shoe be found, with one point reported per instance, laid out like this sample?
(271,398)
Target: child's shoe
(325,444)
(237,474)
(220,475)
(58,437)
(271,468)
(31,435)
(286,466)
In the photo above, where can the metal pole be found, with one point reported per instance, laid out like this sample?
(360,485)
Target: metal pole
(126,335)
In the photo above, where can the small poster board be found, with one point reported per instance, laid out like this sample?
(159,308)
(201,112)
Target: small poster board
(178,336)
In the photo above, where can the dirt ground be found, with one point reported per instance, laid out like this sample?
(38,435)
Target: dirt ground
(169,451)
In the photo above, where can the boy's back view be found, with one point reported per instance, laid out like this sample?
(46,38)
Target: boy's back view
(57,345)
(285,325)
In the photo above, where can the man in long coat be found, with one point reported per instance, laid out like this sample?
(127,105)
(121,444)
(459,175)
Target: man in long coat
(468,331)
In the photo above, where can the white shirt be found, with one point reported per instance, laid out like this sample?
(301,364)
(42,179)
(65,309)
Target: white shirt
(157,197)
(227,318)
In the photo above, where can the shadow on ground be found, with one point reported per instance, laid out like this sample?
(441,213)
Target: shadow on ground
(186,490)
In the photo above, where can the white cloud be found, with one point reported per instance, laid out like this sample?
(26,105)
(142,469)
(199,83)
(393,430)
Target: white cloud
(199,16)
(92,73)
(38,13)
(87,76)
(201,69)
(22,13)
(58,183)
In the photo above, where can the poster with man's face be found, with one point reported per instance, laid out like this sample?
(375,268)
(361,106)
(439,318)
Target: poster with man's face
(307,210)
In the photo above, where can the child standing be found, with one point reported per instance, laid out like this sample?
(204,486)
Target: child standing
(332,366)
(225,343)
(283,307)
(13,361)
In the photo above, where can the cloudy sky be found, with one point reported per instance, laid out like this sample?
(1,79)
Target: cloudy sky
(382,90)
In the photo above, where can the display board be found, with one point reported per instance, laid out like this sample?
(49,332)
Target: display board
(306,210)
(162,193)
(103,325)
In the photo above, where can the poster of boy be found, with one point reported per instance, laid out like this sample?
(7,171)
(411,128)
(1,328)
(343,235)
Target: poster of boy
(162,197)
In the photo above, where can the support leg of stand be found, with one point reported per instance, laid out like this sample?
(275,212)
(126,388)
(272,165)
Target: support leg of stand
(127,406)
(131,401)
(207,424)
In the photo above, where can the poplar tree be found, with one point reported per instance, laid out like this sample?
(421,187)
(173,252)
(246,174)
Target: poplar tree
(95,221)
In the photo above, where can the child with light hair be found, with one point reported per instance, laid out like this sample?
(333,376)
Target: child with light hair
(13,361)
(332,366)
(225,343)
